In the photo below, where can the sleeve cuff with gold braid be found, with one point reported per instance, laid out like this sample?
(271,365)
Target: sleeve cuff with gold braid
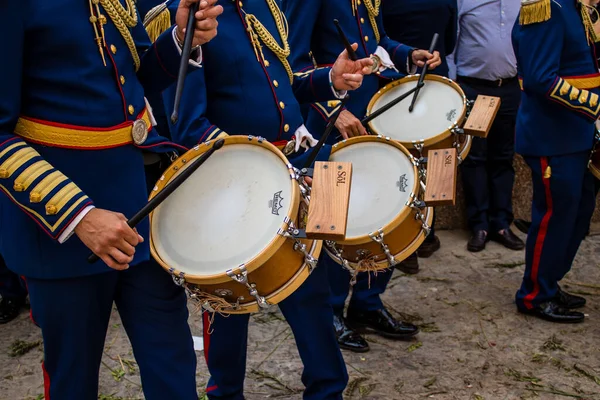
(534,11)
(43,192)
(577,99)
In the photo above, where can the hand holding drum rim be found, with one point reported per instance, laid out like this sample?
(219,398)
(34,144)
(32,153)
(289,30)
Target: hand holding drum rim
(347,74)
(206,20)
(349,126)
(109,236)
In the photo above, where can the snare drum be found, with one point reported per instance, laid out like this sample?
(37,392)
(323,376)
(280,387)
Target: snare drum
(225,233)
(387,222)
(435,121)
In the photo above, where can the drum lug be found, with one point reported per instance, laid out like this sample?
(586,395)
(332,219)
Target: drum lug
(310,261)
(291,230)
(338,254)
(178,279)
(306,172)
(378,237)
(242,277)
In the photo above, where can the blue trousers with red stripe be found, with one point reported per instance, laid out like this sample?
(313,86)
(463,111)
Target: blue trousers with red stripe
(309,315)
(365,293)
(74,315)
(561,211)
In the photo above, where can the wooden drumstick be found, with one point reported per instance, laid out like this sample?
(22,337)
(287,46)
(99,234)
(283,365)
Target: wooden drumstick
(167,191)
(351,53)
(423,72)
(391,104)
(185,55)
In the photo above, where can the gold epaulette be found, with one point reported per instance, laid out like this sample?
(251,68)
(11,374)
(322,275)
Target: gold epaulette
(157,21)
(534,11)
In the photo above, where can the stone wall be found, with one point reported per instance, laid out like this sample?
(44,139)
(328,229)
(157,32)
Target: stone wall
(454,217)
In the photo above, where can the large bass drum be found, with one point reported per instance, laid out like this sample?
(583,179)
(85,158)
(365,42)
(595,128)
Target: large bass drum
(387,220)
(225,233)
(435,121)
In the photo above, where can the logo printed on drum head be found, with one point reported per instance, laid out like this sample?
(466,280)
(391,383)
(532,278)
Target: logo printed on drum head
(275,204)
(402,183)
(451,115)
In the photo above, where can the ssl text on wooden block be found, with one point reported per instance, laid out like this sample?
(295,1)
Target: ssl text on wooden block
(329,201)
(482,116)
(441,177)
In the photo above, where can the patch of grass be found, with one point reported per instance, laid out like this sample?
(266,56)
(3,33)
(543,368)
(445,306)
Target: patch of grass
(430,382)
(398,387)
(117,374)
(553,343)
(429,327)
(432,279)
(587,374)
(520,377)
(414,347)
(478,397)
(21,347)
(539,358)
(276,383)
(506,265)
(366,389)
(354,384)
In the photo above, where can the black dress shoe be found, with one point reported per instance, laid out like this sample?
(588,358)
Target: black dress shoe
(429,247)
(410,265)
(10,308)
(522,225)
(347,338)
(554,312)
(507,239)
(569,301)
(382,323)
(477,241)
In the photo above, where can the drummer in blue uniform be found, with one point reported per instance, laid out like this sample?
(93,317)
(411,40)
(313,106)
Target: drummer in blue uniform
(247,87)
(312,32)
(554,43)
(74,131)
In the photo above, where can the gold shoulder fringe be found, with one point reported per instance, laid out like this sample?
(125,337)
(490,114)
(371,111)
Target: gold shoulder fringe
(534,11)
(157,21)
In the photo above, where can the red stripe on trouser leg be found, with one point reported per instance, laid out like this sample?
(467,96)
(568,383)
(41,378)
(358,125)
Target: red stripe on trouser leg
(46,383)
(30,309)
(206,339)
(539,241)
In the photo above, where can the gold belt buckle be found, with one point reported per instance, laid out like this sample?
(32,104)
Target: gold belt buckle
(139,131)
(289,147)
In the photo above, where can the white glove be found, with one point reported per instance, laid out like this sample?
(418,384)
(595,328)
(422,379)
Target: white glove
(304,139)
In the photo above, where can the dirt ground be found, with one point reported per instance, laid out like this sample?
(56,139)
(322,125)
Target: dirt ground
(473,344)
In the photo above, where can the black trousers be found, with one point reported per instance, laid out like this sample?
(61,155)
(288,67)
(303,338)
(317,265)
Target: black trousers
(488,174)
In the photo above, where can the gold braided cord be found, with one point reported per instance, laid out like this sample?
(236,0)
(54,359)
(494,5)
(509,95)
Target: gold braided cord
(373,7)
(123,20)
(258,33)
(590,32)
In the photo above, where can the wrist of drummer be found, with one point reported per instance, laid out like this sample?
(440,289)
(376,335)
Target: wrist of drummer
(70,229)
(195,54)
(339,94)
(382,60)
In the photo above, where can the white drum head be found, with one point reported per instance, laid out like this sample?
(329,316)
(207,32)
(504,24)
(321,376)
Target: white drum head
(382,180)
(226,213)
(438,108)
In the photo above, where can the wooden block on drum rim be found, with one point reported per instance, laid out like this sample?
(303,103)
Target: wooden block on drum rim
(441,177)
(482,116)
(329,201)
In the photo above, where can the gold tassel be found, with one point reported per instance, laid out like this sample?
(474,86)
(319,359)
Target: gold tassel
(590,32)
(157,21)
(534,11)
(548,172)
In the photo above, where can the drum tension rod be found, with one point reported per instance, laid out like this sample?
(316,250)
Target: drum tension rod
(306,172)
